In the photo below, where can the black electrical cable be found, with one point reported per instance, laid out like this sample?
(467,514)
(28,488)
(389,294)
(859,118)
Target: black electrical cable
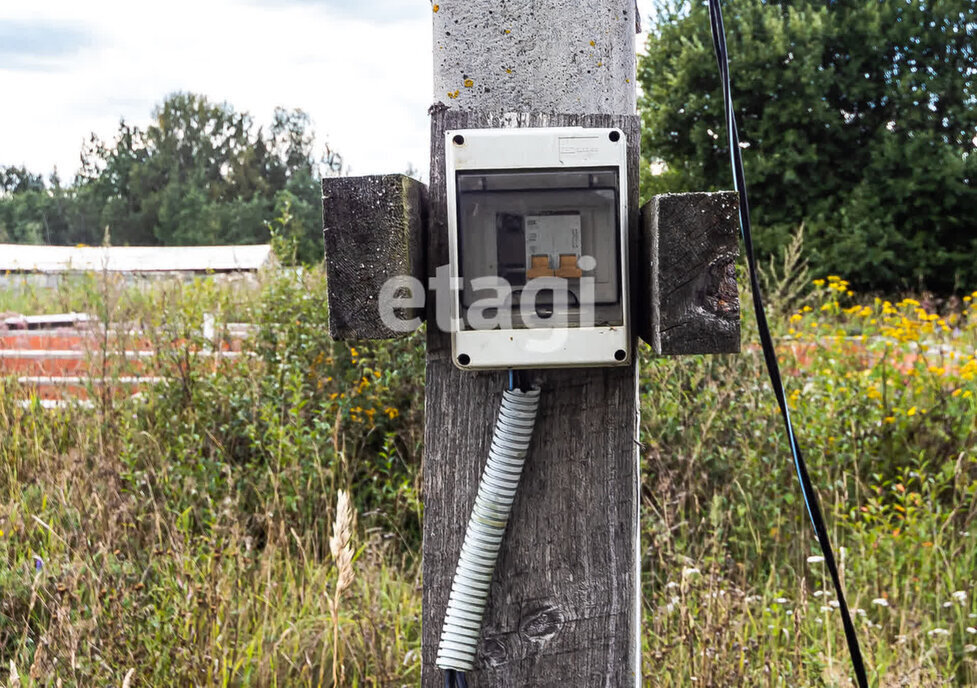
(520,380)
(455,679)
(766,341)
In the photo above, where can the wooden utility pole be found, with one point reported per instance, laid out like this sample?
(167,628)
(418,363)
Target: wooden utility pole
(565,603)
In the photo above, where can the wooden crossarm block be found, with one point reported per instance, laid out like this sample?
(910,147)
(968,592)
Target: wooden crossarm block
(374,229)
(687,292)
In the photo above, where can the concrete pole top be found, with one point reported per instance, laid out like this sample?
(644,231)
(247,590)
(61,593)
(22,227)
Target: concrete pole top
(555,56)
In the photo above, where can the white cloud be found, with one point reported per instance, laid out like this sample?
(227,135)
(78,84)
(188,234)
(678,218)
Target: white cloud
(366,85)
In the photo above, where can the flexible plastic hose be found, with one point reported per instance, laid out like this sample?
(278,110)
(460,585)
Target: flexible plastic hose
(496,492)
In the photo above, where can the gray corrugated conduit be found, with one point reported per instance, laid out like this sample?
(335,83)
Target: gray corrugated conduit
(486,527)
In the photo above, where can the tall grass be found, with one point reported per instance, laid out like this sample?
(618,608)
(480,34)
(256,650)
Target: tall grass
(184,533)
(190,535)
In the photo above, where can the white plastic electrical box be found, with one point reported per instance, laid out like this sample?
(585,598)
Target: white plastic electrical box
(537,240)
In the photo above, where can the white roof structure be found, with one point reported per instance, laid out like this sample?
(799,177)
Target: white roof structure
(133,259)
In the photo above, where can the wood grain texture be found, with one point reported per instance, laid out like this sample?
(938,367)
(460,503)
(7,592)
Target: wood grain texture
(373,229)
(563,610)
(687,274)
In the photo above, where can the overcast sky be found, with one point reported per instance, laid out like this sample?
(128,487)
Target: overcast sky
(358,67)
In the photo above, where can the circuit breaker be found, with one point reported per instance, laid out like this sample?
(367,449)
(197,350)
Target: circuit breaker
(538,247)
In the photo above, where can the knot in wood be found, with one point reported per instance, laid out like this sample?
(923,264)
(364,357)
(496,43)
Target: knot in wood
(542,624)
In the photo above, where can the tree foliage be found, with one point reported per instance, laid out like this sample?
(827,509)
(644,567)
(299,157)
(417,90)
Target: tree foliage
(199,173)
(858,118)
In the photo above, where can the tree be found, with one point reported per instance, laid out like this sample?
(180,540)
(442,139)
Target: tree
(858,119)
(199,173)
(18,180)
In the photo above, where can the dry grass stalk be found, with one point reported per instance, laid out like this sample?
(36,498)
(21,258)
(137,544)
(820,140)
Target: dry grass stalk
(340,546)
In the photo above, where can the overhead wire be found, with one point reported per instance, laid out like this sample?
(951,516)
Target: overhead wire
(766,341)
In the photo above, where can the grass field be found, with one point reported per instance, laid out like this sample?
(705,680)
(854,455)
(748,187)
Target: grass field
(190,535)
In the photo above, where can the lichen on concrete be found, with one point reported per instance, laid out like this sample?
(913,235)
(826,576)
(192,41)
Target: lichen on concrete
(560,56)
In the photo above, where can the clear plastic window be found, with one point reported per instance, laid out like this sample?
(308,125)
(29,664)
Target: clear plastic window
(539,248)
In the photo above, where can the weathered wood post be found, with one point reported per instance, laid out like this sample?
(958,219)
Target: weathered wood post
(564,607)
(565,602)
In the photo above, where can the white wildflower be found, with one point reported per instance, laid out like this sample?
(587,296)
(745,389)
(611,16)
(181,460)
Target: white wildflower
(815,559)
(938,631)
(960,596)
(781,600)
(971,630)
(690,571)
(880,602)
